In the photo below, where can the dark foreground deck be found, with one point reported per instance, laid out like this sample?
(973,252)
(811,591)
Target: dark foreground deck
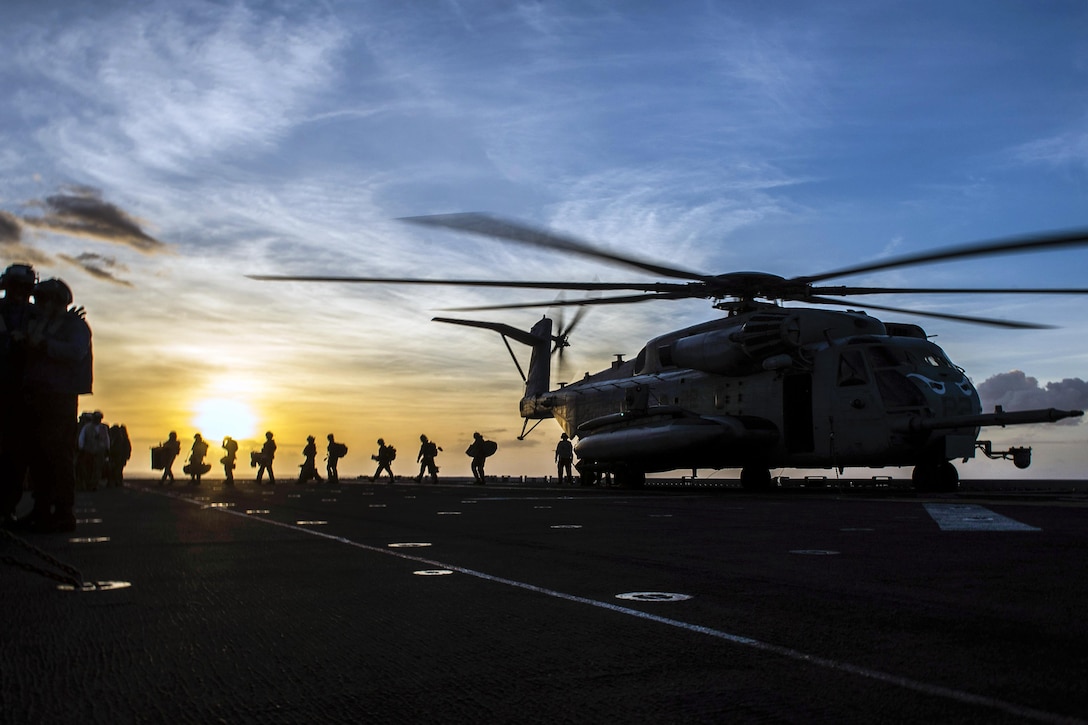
(524,603)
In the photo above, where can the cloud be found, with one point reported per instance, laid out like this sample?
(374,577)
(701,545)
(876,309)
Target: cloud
(1067,149)
(1014,390)
(97,266)
(83,213)
(10,229)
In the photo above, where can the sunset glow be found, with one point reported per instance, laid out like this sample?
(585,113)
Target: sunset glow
(217,418)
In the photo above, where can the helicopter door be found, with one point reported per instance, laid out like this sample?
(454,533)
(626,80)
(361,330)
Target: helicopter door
(797,413)
(857,414)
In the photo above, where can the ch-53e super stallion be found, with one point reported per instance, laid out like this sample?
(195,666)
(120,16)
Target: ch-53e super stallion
(765,386)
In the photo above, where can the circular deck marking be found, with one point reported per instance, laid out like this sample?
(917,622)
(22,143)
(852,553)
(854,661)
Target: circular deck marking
(89,539)
(409,545)
(252,512)
(857,528)
(311,523)
(294,495)
(328,500)
(654,597)
(432,572)
(815,552)
(449,513)
(542,507)
(376,506)
(660,516)
(219,505)
(268,493)
(88,521)
(566,526)
(94,586)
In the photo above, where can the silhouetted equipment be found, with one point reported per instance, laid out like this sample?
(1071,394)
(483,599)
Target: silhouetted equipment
(766,386)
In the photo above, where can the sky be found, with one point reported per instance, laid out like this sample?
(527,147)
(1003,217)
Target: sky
(152,154)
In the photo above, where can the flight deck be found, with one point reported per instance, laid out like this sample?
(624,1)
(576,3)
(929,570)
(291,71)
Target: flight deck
(378,603)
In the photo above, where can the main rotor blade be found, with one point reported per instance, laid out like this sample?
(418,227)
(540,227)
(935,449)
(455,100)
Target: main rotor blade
(627,299)
(586,286)
(1033,243)
(847,291)
(1010,324)
(490,226)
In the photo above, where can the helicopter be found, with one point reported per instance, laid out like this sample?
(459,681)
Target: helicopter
(765,386)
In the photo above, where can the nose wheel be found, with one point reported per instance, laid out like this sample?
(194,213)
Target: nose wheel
(940,477)
(755,478)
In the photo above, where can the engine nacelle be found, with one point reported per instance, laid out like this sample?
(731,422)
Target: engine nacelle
(740,349)
(712,352)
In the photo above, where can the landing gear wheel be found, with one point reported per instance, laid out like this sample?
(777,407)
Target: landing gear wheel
(630,479)
(755,478)
(939,477)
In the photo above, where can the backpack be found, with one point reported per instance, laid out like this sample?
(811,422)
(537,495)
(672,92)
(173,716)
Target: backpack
(338,449)
(91,441)
(392,453)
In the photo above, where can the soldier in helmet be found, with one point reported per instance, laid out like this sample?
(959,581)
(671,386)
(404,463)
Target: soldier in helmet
(17,283)
(564,459)
(231,447)
(308,470)
(265,458)
(59,368)
(386,456)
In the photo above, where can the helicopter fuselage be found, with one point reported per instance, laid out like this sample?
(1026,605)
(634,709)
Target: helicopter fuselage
(773,388)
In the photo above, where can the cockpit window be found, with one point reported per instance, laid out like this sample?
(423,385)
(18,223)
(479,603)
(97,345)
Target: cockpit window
(884,356)
(935,360)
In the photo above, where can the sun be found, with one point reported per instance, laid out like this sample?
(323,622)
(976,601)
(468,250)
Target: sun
(219,417)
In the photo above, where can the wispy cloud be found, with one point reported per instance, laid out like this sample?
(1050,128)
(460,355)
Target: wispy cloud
(10,229)
(172,90)
(97,266)
(1066,149)
(83,213)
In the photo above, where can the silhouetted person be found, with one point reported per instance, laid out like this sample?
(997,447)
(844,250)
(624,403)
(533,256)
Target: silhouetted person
(309,463)
(386,455)
(335,452)
(17,283)
(59,368)
(564,459)
(478,451)
(427,453)
(196,459)
(120,452)
(265,458)
(93,446)
(231,447)
(171,449)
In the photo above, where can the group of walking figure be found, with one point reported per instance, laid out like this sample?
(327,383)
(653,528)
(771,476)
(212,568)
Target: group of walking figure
(164,455)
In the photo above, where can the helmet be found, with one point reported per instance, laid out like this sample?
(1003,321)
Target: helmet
(53,289)
(18,275)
